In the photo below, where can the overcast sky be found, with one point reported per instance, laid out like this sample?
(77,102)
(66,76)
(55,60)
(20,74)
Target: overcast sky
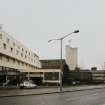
(34,22)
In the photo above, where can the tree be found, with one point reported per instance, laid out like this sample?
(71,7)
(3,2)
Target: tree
(77,68)
(66,75)
(94,68)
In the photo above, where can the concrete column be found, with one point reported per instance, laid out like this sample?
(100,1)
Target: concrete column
(59,76)
(43,77)
(28,76)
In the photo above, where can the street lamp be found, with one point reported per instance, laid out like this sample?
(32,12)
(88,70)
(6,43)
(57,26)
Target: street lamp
(61,39)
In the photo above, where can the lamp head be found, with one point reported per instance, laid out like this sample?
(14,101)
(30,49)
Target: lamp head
(76,31)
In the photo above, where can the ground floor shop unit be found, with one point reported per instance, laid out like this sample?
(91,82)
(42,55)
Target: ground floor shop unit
(41,76)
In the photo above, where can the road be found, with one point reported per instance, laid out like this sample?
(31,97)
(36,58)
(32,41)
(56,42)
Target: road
(87,97)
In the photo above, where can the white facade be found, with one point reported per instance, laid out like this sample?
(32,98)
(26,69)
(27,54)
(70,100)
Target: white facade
(15,55)
(71,57)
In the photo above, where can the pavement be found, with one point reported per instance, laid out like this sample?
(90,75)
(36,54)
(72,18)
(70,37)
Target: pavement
(13,92)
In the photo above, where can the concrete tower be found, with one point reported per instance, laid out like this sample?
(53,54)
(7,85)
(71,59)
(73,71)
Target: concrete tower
(71,57)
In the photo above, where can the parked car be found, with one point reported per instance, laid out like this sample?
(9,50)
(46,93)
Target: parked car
(75,82)
(27,84)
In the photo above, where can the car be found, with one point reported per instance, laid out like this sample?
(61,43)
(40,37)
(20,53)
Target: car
(27,84)
(75,82)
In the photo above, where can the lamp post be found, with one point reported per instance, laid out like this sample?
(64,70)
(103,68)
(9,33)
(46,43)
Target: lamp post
(61,40)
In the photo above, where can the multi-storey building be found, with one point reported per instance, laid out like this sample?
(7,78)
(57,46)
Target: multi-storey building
(98,75)
(15,56)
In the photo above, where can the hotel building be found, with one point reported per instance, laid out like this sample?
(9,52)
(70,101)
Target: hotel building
(16,58)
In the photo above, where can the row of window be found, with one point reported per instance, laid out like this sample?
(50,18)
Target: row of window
(14,61)
(23,50)
(17,53)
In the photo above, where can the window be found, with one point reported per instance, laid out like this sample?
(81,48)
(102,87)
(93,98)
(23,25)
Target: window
(22,49)
(4,45)
(26,52)
(7,40)
(13,43)
(17,52)
(21,54)
(31,60)
(34,55)
(11,49)
(13,60)
(18,62)
(0,36)
(25,57)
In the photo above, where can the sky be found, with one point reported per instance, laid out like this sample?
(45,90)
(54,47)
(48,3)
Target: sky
(34,22)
